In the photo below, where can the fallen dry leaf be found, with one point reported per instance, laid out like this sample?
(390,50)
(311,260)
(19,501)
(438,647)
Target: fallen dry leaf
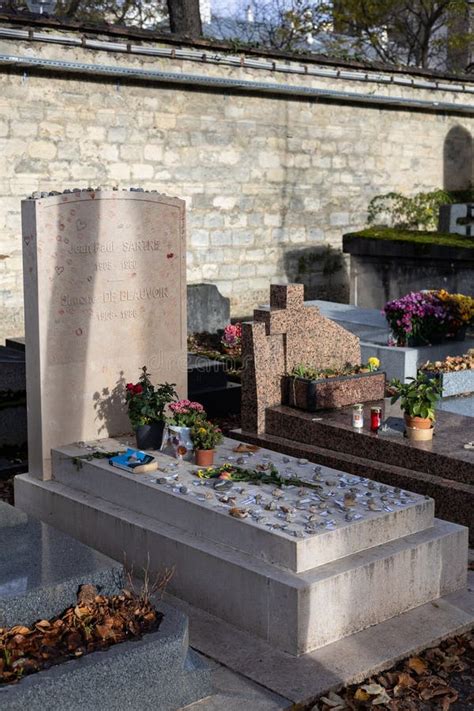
(243,448)
(361,695)
(418,665)
(448,700)
(405,683)
(373,689)
(381,700)
(43,625)
(20,629)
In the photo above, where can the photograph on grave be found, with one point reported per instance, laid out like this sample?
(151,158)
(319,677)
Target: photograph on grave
(105,294)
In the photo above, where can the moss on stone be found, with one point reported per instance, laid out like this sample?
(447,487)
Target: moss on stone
(415,236)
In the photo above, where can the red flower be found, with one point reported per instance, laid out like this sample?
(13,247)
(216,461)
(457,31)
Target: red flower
(130,387)
(138,389)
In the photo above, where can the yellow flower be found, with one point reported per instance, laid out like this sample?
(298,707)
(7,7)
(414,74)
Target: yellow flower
(374,362)
(202,430)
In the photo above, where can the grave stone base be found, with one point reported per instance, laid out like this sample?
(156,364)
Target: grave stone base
(262,580)
(41,570)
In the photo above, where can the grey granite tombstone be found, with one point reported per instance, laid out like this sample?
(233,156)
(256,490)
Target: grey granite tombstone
(457,219)
(41,570)
(208,310)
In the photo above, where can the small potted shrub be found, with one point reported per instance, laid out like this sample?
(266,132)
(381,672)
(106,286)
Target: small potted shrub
(146,409)
(418,400)
(206,437)
(184,414)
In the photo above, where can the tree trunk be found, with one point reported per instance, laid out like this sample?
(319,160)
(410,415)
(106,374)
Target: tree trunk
(185,18)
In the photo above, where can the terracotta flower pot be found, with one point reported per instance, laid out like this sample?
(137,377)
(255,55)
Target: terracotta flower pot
(418,423)
(419,435)
(205,457)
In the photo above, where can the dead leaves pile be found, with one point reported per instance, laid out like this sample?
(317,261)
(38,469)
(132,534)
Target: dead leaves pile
(418,684)
(451,364)
(96,622)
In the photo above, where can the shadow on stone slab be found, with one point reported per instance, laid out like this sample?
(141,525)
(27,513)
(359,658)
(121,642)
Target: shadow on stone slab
(351,660)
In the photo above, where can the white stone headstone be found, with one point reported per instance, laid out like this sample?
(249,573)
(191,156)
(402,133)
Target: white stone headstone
(105,294)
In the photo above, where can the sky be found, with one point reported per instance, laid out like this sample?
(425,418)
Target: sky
(222,7)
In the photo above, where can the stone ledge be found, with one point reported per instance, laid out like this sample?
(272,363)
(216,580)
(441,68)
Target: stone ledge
(406,245)
(445,456)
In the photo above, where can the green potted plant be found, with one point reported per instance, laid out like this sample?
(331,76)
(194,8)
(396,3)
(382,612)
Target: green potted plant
(146,409)
(418,399)
(206,437)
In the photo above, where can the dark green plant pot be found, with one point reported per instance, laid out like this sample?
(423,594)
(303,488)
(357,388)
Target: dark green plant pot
(150,436)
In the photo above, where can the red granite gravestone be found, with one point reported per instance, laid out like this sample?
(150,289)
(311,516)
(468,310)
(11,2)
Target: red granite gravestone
(279,338)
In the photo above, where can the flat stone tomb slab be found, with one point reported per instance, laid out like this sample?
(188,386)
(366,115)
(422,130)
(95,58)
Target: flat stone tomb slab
(295,528)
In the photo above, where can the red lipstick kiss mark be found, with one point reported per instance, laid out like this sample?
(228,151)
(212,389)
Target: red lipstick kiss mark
(78,331)
(170,255)
(59,270)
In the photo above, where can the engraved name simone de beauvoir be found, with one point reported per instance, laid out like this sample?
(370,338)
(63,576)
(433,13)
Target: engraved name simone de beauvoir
(113,297)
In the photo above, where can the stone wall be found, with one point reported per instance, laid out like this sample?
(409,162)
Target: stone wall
(271,182)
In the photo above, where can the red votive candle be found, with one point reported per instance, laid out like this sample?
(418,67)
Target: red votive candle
(375,418)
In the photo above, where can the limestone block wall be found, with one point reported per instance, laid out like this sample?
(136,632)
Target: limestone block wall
(271,182)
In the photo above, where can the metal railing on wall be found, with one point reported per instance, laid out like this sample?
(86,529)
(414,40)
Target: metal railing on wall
(237,61)
(246,85)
